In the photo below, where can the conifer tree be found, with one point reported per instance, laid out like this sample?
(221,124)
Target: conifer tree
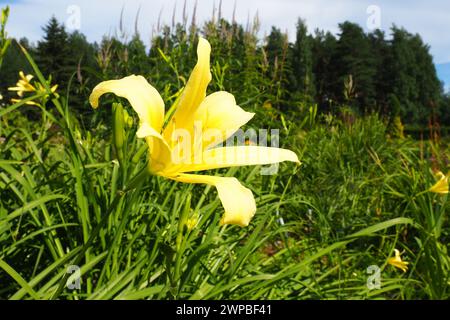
(353,58)
(280,69)
(302,62)
(81,51)
(323,48)
(404,71)
(53,53)
(384,76)
(416,84)
(138,59)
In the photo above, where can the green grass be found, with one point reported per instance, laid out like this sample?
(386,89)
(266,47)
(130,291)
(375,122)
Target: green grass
(67,200)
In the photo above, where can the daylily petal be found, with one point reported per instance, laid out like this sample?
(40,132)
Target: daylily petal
(240,156)
(144,99)
(193,93)
(159,152)
(237,200)
(442,185)
(397,261)
(220,117)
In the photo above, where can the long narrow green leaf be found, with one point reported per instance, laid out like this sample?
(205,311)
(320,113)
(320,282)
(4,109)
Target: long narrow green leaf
(21,281)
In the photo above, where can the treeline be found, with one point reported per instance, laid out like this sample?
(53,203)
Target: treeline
(362,72)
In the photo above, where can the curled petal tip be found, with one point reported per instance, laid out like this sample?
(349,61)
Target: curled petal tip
(142,96)
(93,100)
(203,43)
(237,200)
(288,155)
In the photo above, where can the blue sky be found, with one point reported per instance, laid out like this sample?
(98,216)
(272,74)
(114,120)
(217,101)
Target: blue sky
(443,71)
(428,18)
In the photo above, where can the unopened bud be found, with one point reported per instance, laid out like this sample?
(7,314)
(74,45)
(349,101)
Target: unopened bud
(127,119)
(118,130)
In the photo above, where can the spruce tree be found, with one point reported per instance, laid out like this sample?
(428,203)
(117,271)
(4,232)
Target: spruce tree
(323,48)
(280,70)
(53,53)
(302,62)
(384,76)
(274,50)
(138,59)
(354,58)
(416,83)
(404,73)
(81,51)
(427,82)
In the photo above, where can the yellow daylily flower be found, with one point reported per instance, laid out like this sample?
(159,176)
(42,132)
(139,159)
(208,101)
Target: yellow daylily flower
(23,85)
(397,261)
(191,222)
(189,140)
(441,186)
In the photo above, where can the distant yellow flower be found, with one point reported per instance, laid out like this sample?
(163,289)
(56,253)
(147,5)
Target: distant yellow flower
(397,261)
(441,186)
(191,222)
(186,145)
(23,85)
(267,105)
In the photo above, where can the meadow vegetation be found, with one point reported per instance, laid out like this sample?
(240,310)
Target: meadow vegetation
(366,116)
